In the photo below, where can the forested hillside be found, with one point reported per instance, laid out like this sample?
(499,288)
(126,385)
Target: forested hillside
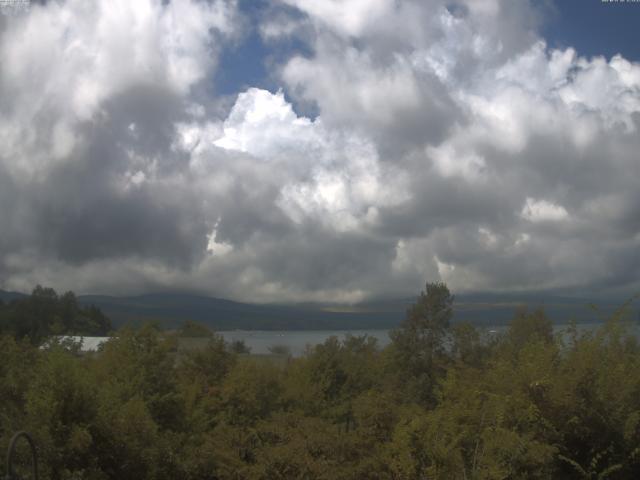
(441,402)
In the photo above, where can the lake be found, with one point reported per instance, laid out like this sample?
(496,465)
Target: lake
(296,341)
(259,341)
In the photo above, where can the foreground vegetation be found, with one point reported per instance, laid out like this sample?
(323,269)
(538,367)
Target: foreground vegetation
(441,402)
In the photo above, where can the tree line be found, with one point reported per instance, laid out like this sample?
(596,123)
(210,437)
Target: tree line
(442,401)
(45,313)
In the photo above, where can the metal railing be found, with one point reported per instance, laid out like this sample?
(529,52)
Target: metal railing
(11,475)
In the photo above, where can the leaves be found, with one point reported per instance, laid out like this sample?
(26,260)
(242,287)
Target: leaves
(441,402)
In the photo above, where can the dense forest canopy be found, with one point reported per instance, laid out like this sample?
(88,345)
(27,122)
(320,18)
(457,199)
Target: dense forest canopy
(45,313)
(440,402)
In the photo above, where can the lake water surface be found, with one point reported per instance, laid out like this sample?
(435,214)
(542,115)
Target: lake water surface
(296,341)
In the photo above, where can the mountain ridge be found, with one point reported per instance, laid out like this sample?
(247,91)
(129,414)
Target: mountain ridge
(171,309)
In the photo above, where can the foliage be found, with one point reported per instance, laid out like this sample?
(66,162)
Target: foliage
(45,313)
(418,346)
(239,346)
(191,329)
(280,350)
(441,402)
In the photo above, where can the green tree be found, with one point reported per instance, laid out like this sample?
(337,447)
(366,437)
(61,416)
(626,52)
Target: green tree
(250,392)
(468,346)
(419,343)
(192,329)
(44,313)
(527,327)
(239,346)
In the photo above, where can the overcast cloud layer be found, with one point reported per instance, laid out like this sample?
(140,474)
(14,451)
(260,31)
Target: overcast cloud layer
(450,143)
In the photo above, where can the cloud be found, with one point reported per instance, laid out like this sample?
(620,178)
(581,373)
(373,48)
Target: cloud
(350,17)
(65,59)
(90,95)
(542,210)
(500,139)
(441,140)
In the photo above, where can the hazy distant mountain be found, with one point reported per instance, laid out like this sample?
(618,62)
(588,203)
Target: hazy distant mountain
(8,296)
(481,309)
(172,309)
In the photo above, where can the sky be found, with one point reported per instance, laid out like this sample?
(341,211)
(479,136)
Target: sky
(320,151)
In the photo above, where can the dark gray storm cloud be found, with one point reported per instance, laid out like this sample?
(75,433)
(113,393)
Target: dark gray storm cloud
(450,143)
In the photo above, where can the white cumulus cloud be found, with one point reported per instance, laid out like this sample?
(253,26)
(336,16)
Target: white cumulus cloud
(401,141)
